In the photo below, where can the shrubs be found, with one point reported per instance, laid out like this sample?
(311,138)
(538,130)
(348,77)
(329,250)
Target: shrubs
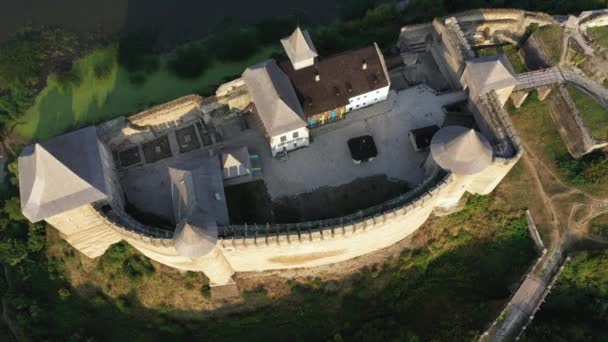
(136,267)
(475,204)
(588,169)
(235,44)
(136,51)
(599,226)
(103,68)
(132,264)
(190,61)
(116,253)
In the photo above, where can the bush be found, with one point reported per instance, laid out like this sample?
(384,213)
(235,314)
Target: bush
(235,44)
(206,291)
(190,61)
(588,169)
(136,267)
(69,79)
(136,51)
(475,205)
(103,68)
(64,293)
(116,253)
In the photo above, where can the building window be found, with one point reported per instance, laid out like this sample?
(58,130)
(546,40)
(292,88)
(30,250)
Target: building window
(296,135)
(283,139)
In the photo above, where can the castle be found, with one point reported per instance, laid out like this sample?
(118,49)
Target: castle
(74,181)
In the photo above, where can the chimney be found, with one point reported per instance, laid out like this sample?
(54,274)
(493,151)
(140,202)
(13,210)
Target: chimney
(364,65)
(317,77)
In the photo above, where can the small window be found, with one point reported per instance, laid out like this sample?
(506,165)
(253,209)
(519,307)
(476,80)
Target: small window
(283,139)
(296,135)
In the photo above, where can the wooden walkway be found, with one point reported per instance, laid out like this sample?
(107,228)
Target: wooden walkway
(539,78)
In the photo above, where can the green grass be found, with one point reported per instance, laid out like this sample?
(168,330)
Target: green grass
(577,307)
(535,125)
(595,116)
(92,99)
(599,225)
(599,35)
(550,39)
(510,51)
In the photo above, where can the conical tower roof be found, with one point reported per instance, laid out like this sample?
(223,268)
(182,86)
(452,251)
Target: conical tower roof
(461,150)
(299,46)
(195,236)
(61,174)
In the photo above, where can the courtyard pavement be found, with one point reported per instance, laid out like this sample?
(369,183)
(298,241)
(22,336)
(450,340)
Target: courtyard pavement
(327,161)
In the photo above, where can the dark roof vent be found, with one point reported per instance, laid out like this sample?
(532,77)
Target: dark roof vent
(375,79)
(308,101)
(337,91)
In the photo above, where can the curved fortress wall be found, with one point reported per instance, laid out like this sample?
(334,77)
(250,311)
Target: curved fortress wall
(93,227)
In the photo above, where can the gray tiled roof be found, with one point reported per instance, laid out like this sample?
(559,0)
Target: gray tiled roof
(489,73)
(461,150)
(199,204)
(299,46)
(274,98)
(61,174)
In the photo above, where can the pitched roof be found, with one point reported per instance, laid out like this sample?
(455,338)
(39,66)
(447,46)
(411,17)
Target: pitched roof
(299,46)
(461,150)
(341,77)
(199,204)
(274,98)
(489,73)
(235,162)
(61,174)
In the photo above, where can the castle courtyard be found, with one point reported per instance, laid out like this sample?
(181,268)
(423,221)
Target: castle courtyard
(325,163)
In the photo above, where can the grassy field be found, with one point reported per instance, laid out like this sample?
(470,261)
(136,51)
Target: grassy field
(510,51)
(576,308)
(60,107)
(550,39)
(446,289)
(536,127)
(595,116)
(599,35)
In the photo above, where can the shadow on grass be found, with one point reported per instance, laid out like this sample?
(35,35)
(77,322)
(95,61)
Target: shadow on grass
(446,292)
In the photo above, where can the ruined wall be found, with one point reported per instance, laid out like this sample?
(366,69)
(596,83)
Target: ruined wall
(183,109)
(596,18)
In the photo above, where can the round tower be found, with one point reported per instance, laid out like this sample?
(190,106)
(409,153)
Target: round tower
(465,153)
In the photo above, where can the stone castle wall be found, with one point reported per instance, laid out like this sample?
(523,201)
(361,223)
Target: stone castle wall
(92,231)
